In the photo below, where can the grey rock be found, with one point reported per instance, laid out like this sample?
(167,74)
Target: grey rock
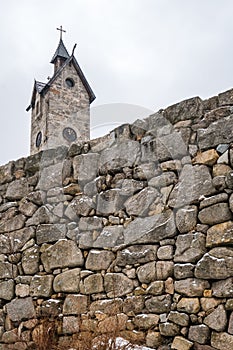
(146,273)
(109,237)
(42,216)
(27,208)
(85,167)
(165,252)
(130,186)
(191,287)
(217,319)
(199,333)
(50,233)
(90,223)
(4,207)
(185,110)
(99,260)
(107,306)
(169,329)
(64,253)
(156,288)
(180,318)
(163,180)
(41,286)
(7,289)
(222,340)
(216,264)
(144,171)
(159,304)
(30,260)
(146,321)
(117,284)
(13,224)
(109,202)
(17,189)
(223,289)
(189,247)
(164,147)
(186,218)
(70,325)
(75,304)
(194,181)
(215,214)
(218,132)
(150,229)
(182,271)
(115,157)
(136,254)
(221,197)
(93,284)
(180,343)
(229,180)
(90,189)
(188,305)
(138,205)
(21,309)
(6,270)
(230,325)
(67,282)
(6,173)
(222,147)
(164,269)
(81,205)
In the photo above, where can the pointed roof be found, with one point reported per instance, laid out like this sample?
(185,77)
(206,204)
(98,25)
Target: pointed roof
(60,52)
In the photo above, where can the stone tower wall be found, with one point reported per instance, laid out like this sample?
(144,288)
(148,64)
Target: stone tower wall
(136,225)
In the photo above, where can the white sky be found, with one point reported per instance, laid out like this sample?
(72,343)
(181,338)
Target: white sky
(148,53)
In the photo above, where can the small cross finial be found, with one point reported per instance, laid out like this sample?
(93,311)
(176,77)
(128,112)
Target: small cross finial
(61,31)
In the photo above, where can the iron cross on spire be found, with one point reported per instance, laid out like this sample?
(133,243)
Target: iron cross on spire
(61,31)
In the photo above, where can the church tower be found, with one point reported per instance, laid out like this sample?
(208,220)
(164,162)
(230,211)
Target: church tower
(60,108)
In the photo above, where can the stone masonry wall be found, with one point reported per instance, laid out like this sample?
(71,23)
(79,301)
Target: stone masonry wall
(136,225)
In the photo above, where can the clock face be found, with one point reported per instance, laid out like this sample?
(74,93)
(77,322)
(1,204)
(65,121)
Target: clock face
(38,139)
(69,134)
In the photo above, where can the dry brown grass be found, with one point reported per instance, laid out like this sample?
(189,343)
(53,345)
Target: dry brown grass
(46,337)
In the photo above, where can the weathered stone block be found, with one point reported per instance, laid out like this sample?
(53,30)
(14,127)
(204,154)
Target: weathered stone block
(41,286)
(188,305)
(164,269)
(109,237)
(215,214)
(85,167)
(146,321)
(81,205)
(169,329)
(21,309)
(187,109)
(62,254)
(180,343)
(117,284)
(182,271)
(115,157)
(109,202)
(220,234)
(50,233)
(90,223)
(137,254)
(70,325)
(194,181)
(17,189)
(191,287)
(13,224)
(150,229)
(218,132)
(223,289)
(156,288)
(93,284)
(7,289)
(138,205)
(217,319)
(186,218)
(30,260)
(99,260)
(199,333)
(75,304)
(189,247)
(222,340)
(67,282)
(180,318)
(209,157)
(159,304)
(146,273)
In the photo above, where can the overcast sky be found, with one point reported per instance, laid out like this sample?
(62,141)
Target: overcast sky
(146,53)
